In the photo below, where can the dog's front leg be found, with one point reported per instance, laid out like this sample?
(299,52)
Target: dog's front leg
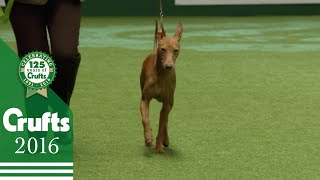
(166,136)
(165,141)
(144,108)
(166,107)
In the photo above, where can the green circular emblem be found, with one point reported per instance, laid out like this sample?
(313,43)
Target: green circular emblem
(37,70)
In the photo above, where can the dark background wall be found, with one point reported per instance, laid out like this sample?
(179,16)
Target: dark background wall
(151,8)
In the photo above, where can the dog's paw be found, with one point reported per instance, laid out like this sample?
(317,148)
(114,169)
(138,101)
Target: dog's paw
(165,142)
(160,150)
(148,142)
(148,138)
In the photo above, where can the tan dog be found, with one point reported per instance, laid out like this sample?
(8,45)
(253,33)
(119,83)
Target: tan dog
(158,81)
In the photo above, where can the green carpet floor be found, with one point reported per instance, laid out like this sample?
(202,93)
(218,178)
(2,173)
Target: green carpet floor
(246,104)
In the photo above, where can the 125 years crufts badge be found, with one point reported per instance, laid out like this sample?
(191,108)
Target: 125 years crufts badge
(37,71)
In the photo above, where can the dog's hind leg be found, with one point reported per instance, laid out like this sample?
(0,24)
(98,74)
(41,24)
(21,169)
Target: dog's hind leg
(166,107)
(144,108)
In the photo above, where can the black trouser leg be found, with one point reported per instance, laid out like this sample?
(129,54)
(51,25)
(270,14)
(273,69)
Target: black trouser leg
(29,26)
(62,19)
(63,25)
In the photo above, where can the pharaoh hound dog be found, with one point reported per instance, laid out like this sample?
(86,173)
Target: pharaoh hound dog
(158,81)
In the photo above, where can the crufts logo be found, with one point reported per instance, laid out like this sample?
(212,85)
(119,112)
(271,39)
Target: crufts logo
(35,124)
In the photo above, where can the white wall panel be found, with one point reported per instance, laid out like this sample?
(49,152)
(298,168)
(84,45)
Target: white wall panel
(239,2)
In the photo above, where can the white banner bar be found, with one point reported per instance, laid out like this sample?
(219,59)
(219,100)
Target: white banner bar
(36,178)
(35,171)
(2,3)
(239,2)
(37,164)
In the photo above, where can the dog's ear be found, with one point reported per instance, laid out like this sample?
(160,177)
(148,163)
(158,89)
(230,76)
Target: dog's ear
(178,32)
(161,31)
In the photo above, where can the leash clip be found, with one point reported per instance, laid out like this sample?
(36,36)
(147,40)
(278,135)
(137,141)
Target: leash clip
(161,16)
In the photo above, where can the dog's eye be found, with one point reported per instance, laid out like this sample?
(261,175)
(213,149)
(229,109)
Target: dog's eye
(176,50)
(163,50)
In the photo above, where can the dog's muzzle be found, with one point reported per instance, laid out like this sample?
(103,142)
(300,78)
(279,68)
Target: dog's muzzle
(169,66)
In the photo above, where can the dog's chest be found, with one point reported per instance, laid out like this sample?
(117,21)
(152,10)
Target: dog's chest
(164,89)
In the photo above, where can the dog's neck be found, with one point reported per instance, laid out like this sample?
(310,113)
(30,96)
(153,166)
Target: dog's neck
(158,64)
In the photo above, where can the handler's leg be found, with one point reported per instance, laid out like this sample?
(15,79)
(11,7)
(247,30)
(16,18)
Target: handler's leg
(63,25)
(29,26)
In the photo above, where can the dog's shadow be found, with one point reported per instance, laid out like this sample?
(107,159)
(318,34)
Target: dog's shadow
(169,152)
